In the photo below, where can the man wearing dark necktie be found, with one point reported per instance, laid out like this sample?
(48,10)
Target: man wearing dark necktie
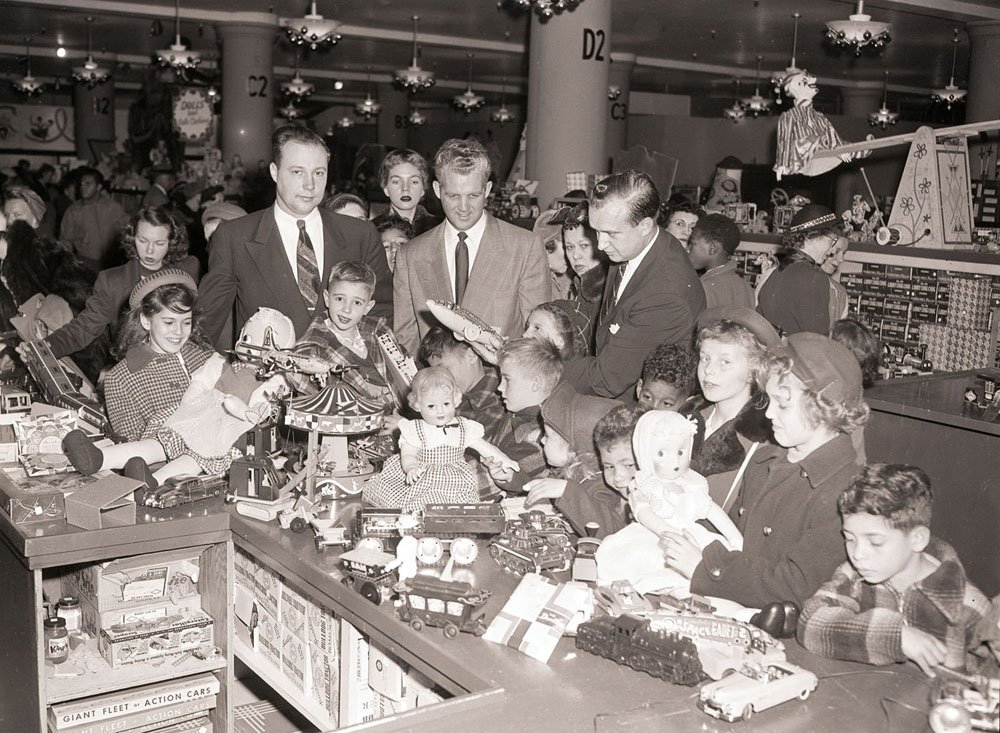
(280,257)
(652,297)
(494,269)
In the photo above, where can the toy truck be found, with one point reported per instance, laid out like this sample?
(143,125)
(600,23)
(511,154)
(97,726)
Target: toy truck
(448,604)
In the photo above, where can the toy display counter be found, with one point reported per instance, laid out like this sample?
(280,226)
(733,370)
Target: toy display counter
(926,422)
(499,689)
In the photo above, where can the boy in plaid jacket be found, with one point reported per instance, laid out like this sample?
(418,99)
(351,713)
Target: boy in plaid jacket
(903,594)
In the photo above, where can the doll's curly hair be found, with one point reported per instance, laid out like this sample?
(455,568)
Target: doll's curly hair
(820,409)
(429,379)
(157,216)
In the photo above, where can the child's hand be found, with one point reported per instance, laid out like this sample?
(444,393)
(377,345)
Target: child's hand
(540,489)
(923,649)
(500,472)
(414,474)
(390,423)
(680,552)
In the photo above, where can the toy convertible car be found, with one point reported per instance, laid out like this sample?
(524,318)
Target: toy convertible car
(184,490)
(751,690)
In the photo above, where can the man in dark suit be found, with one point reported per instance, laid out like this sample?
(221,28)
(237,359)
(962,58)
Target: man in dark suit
(495,269)
(652,295)
(281,257)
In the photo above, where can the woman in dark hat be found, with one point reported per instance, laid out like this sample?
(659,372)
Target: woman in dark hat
(796,297)
(588,264)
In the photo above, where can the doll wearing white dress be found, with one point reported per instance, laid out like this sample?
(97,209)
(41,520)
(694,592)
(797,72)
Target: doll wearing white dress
(665,496)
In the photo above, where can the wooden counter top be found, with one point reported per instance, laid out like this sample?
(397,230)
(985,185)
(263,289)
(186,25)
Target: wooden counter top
(937,398)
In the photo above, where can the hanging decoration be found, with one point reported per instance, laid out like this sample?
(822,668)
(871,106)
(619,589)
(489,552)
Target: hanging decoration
(178,57)
(778,77)
(345,122)
(502,115)
(91,73)
(858,32)
(297,88)
(736,112)
(545,8)
(369,107)
(416,118)
(28,85)
(882,117)
(468,101)
(951,94)
(414,79)
(290,111)
(755,104)
(614,91)
(313,30)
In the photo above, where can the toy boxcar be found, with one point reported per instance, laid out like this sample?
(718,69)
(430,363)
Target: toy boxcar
(448,604)
(629,640)
(371,572)
(462,520)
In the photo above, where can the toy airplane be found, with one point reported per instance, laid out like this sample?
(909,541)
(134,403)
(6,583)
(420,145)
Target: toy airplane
(270,359)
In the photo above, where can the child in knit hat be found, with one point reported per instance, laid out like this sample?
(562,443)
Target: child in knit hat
(579,492)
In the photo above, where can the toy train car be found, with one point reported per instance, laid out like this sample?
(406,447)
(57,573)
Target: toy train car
(372,573)
(449,604)
(631,641)
(462,520)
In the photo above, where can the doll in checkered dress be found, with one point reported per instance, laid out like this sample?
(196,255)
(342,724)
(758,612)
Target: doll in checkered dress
(171,398)
(430,467)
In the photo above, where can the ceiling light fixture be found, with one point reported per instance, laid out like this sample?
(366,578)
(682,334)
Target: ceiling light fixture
(297,88)
(882,117)
(545,8)
(951,94)
(778,78)
(416,118)
(28,85)
(178,57)
(468,101)
(290,111)
(756,105)
(614,91)
(369,107)
(313,30)
(345,122)
(502,115)
(858,32)
(413,79)
(735,113)
(91,73)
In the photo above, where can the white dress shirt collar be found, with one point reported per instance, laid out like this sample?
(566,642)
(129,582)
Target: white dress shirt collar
(633,264)
(475,238)
(288,228)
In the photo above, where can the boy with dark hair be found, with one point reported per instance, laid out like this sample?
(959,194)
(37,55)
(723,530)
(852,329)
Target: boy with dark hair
(713,241)
(529,372)
(902,594)
(669,378)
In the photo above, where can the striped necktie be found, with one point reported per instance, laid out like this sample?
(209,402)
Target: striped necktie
(308,270)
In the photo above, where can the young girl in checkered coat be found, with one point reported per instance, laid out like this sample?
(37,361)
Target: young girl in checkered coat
(171,392)
(431,467)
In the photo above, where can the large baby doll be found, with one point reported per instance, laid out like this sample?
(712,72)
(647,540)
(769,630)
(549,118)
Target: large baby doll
(665,496)
(431,467)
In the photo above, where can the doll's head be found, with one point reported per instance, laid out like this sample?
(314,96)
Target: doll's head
(164,313)
(801,87)
(435,395)
(662,442)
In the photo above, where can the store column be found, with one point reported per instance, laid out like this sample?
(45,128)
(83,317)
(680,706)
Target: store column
(619,87)
(93,119)
(393,120)
(570,59)
(856,102)
(247,92)
(983,102)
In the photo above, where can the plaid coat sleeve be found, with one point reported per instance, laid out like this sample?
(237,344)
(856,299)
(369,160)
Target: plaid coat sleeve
(847,619)
(520,440)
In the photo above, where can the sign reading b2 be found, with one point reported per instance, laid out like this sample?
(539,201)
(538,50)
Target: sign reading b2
(593,44)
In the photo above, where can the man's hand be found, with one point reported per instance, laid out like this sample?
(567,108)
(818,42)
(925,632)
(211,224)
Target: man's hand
(923,649)
(680,552)
(540,489)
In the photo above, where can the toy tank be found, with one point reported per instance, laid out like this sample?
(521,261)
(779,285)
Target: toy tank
(524,549)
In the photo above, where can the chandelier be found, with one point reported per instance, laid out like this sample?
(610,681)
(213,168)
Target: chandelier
(369,107)
(413,78)
(313,30)
(755,104)
(778,78)
(735,113)
(28,85)
(502,115)
(416,118)
(468,101)
(545,8)
(345,122)
(298,88)
(859,31)
(951,94)
(178,56)
(882,117)
(290,111)
(91,73)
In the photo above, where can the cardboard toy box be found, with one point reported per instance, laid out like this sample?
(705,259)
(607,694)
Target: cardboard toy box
(324,678)
(140,580)
(93,620)
(323,629)
(267,638)
(33,499)
(126,644)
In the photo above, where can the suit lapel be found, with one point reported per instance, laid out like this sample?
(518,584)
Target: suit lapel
(491,258)
(331,249)
(432,267)
(267,252)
